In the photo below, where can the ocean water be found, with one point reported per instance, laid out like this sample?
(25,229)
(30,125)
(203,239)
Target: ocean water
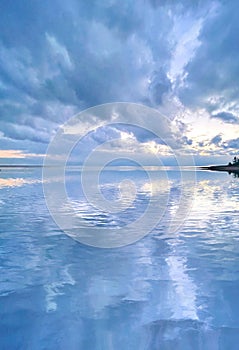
(171,288)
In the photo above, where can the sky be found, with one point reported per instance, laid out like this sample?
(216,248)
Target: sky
(58,58)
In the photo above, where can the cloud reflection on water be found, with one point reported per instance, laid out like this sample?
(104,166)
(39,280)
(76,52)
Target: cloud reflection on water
(162,288)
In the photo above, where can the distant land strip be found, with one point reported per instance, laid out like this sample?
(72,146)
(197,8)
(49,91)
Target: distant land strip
(20,166)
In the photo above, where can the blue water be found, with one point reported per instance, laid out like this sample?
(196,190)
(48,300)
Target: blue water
(161,292)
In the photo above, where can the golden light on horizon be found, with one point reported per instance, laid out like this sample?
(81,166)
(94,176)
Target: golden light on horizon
(17,154)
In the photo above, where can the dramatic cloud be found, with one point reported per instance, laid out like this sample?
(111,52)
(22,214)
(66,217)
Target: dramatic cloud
(58,58)
(210,77)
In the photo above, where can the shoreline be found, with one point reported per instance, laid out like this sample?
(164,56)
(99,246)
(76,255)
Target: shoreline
(229,168)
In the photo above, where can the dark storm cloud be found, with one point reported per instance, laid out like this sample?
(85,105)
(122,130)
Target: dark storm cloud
(211,80)
(226,117)
(78,54)
(216,140)
(234,143)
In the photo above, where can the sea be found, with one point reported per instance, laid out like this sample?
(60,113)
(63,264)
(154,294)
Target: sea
(75,274)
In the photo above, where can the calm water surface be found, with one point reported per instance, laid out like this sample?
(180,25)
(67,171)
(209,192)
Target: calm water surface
(164,291)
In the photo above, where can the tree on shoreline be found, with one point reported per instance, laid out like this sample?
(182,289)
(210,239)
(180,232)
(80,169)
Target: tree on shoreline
(235,161)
